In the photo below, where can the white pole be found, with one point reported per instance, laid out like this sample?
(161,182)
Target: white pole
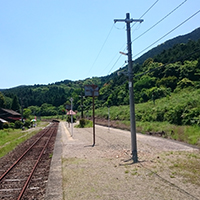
(71,99)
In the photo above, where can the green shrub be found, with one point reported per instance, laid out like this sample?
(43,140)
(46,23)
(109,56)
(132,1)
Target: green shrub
(1,125)
(27,123)
(18,124)
(82,123)
(69,118)
(12,125)
(185,82)
(5,125)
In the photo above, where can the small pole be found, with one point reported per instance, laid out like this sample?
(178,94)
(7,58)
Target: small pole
(93,118)
(108,117)
(71,99)
(81,103)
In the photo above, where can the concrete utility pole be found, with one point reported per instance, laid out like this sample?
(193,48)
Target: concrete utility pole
(128,21)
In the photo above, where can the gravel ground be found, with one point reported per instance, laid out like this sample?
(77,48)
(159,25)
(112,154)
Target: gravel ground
(106,170)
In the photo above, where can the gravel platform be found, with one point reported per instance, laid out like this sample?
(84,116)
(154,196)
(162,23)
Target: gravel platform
(106,171)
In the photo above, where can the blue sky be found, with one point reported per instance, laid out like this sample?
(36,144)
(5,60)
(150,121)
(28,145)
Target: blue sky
(46,41)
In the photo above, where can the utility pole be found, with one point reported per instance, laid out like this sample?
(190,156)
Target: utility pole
(128,21)
(22,118)
(81,103)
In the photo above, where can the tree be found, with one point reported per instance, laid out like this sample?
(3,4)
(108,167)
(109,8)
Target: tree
(8,102)
(2,100)
(185,82)
(27,113)
(15,104)
(169,82)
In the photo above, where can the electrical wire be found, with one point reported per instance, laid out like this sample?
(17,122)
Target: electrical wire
(153,25)
(167,34)
(160,21)
(178,59)
(151,70)
(133,31)
(101,49)
(114,64)
(147,11)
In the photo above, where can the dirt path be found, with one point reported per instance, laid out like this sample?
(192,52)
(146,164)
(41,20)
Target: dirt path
(106,171)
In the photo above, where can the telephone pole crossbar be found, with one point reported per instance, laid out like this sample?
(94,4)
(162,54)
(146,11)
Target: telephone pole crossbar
(131,94)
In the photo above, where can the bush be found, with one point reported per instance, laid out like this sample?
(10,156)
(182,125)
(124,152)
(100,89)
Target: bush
(5,125)
(18,124)
(1,125)
(12,125)
(27,123)
(174,115)
(69,118)
(82,123)
(185,82)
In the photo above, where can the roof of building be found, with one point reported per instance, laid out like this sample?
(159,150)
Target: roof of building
(10,111)
(2,120)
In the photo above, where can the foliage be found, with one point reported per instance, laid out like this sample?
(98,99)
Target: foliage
(69,118)
(26,113)
(8,102)
(5,125)
(18,124)
(84,123)
(173,49)
(2,101)
(15,104)
(184,83)
(12,125)
(27,123)
(48,110)
(159,78)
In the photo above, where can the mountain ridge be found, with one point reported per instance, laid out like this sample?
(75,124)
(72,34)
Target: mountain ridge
(193,35)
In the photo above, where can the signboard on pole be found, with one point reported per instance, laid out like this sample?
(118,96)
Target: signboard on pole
(68,107)
(91,90)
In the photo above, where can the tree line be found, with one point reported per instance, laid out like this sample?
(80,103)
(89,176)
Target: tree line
(170,71)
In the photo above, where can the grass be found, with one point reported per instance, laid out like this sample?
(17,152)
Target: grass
(10,138)
(181,107)
(187,166)
(84,124)
(188,134)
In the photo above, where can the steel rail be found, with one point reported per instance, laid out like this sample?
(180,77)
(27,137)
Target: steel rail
(36,163)
(17,161)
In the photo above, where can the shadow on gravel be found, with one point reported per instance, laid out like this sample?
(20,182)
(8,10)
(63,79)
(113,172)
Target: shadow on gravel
(130,162)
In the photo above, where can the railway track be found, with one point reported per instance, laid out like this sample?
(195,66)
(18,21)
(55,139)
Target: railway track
(22,178)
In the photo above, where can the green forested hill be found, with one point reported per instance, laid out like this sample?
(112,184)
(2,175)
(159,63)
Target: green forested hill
(193,36)
(167,72)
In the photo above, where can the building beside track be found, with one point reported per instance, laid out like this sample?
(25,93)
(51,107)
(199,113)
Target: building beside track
(9,115)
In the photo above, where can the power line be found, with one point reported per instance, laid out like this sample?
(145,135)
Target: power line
(153,25)
(147,11)
(160,21)
(132,26)
(115,63)
(178,59)
(151,70)
(101,48)
(167,33)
